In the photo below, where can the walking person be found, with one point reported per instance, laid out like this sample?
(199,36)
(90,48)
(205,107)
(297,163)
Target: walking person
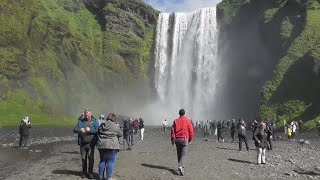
(24,131)
(141,128)
(242,134)
(294,129)
(214,127)
(126,134)
(108,146)
(301,126)
(165,124)
(131,132)
(261,143)
(220,131)
(269,139)
(207,130)
(318,127)
(87,128)
(233,129)
(181,135)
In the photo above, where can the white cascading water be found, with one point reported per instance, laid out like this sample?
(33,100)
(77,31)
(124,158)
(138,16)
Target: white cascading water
(186,62)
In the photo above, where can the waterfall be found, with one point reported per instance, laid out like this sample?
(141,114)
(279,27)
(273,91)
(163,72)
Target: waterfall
(186,62)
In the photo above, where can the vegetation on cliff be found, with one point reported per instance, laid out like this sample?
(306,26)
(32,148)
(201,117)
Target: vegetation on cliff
(290,29)
(58,57)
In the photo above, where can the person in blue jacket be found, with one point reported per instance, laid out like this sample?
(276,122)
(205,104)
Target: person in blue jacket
(87,127)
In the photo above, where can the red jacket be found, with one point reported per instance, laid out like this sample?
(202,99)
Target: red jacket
(182,129)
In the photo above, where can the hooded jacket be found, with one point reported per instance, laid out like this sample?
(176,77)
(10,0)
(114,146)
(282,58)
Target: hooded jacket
(108,136)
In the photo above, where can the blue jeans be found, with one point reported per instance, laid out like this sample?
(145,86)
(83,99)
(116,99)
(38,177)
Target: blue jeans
(107,160)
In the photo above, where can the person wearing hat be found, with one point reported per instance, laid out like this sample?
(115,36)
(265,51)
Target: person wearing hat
(101,119)
(181,135)
(24,127)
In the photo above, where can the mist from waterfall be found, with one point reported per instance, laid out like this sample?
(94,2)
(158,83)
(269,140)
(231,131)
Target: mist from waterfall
(187,69)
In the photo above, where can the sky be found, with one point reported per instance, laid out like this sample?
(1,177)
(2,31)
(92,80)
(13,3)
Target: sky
(181,5)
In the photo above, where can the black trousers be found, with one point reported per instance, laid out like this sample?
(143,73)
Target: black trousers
(87,156)
(244,139)
(23,141)
(232,134)
(220,135)
(182,148)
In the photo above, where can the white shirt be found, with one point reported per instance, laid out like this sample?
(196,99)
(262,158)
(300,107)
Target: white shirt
(165,123)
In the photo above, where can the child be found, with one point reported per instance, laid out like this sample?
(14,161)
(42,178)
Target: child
(289,133)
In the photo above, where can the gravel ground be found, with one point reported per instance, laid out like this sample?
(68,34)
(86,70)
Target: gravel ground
(155,159)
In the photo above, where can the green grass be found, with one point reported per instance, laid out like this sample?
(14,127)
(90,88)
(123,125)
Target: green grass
(17,105)
(56,59)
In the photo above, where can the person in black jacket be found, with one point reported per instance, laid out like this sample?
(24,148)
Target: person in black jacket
(126,134)
(241,128)
(24,127)
(261,138)
(233,129)
(220,131)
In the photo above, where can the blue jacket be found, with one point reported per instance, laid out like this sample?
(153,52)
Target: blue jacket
(94,126)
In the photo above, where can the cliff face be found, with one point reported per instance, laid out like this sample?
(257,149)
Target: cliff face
(58,57)
(289,30)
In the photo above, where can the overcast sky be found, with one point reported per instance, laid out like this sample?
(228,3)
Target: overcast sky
(181,5)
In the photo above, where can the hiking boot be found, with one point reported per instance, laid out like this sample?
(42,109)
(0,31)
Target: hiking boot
(90,176)
(181,171)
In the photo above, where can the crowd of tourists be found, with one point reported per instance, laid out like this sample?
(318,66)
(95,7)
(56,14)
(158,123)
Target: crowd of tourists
(105,133)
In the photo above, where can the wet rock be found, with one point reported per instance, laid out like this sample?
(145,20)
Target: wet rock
(310,177)
(291,173)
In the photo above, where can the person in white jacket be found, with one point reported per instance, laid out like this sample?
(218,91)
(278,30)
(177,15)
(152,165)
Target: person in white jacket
(165,124)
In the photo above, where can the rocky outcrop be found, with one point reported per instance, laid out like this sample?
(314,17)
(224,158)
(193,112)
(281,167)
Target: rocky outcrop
(58,57)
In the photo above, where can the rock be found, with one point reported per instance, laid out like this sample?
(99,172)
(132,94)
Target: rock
(37,151)
(310,177)
(291,173)
(11,144)
(4,145)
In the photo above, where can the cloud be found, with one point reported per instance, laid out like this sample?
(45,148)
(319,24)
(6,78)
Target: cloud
(181,5)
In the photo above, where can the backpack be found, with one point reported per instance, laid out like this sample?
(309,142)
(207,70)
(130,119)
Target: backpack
(241,130)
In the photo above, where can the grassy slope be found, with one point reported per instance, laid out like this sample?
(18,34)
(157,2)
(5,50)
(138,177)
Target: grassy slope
(293,34)
(292,93)
(53,61)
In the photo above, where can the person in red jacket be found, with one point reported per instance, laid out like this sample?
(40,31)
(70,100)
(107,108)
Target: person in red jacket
(181,135)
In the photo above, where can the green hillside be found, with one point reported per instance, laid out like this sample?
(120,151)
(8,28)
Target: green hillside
(58,57)
(291,31)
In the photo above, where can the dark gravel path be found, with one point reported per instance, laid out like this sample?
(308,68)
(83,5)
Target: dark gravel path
(155,158)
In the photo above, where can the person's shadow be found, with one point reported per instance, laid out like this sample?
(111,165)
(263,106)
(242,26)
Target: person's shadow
(240,161)
(174,172)
(71,172)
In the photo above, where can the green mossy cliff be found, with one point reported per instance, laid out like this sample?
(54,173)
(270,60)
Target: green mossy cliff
(291,31)
(58,57)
